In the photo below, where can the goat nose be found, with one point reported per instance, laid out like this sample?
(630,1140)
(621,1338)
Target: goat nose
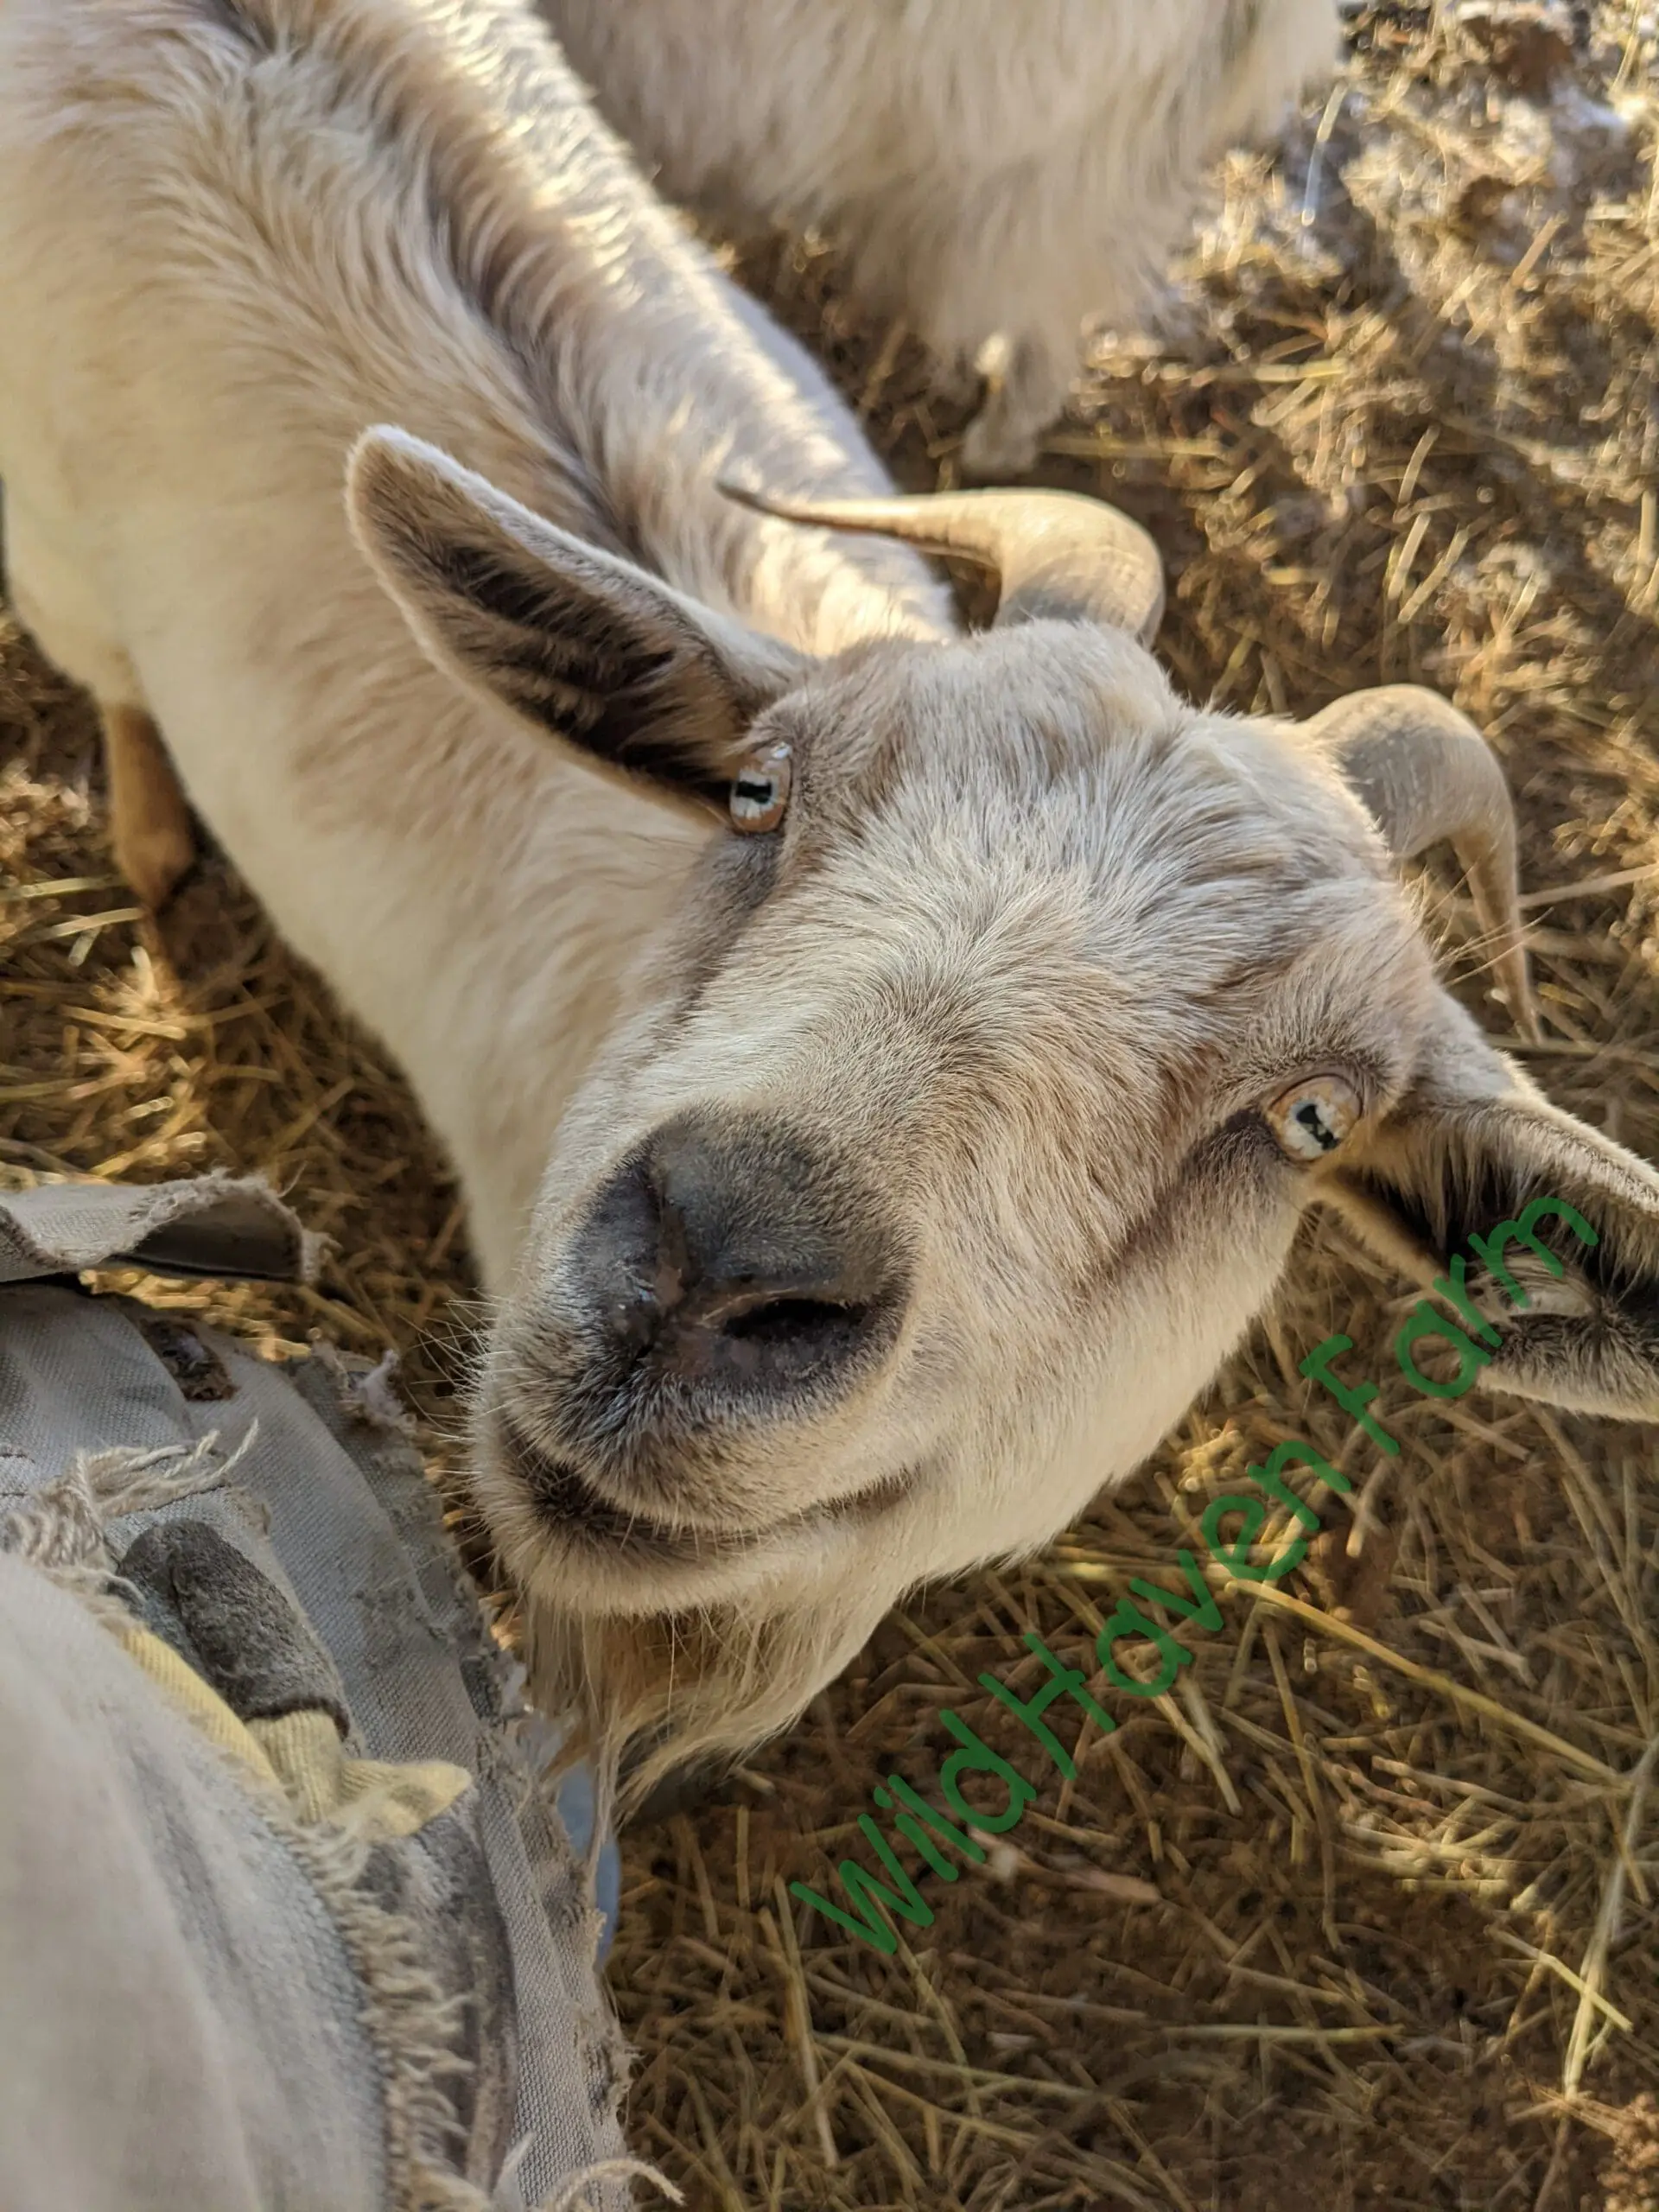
(727,1249)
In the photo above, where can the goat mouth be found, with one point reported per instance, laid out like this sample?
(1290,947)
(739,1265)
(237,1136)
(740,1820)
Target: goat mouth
(567,1501)
(565,1497)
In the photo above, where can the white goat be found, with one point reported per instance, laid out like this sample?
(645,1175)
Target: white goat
(887,1067)
(998,170)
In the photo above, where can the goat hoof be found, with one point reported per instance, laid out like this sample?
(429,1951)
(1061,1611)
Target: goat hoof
(998,447)
(1022,396)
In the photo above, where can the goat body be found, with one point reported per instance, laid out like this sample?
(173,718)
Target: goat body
(997,174)
(235,233)
(863,1173)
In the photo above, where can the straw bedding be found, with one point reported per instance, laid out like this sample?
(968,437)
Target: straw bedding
(1365,1915)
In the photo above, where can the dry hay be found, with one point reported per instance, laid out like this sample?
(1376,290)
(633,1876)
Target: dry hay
(1365,1916)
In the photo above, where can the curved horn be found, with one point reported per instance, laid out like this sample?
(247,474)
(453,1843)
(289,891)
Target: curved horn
(1424,772)
(1055,553)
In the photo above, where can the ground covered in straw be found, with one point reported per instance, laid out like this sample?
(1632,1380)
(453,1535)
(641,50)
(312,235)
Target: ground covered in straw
(1364,1915)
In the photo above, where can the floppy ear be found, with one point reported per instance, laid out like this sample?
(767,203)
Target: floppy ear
(1481,1190)
(633,674)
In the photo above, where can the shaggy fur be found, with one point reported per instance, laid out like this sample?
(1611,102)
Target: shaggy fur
(998,172)
(1032,950)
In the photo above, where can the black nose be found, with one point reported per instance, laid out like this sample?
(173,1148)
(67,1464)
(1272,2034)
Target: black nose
(730,1250)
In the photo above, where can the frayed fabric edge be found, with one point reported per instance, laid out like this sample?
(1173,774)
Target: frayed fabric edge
(61,1528)
(61,1531)
(71,1224)
(367,1393)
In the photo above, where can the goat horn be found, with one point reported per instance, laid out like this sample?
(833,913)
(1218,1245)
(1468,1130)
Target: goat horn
(1054,553)
(1424,772)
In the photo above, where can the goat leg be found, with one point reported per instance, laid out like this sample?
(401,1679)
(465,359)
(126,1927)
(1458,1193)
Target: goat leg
(1025,389)
(150,817)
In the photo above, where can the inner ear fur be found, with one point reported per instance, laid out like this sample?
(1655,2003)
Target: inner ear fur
(1551,1227)
(636,676)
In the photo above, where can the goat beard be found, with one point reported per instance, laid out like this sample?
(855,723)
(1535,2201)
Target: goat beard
(645,1698)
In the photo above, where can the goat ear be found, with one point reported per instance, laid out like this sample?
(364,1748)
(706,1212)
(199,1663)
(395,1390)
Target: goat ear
(633,674)
(1481,1189)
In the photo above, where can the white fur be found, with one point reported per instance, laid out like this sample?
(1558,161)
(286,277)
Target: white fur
(998,169)
(213,315)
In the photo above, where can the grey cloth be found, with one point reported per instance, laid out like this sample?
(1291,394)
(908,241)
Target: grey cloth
(214,1225)
(212,1996)
(178,2015)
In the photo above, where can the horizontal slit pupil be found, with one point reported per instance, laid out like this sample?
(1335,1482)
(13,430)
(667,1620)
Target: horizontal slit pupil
(1313,1123)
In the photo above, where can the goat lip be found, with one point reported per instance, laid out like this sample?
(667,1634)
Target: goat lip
(568,1500)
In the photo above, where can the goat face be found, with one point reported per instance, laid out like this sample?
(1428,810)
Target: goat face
(935,1136)
(964,1117)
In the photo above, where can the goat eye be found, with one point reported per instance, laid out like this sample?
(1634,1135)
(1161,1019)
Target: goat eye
(1313,1116)
(761,789)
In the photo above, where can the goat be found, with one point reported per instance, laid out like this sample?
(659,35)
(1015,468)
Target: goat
(997,174)
(886,1066)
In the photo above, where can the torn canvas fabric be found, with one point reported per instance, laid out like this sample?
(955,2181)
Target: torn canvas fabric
(287,1917)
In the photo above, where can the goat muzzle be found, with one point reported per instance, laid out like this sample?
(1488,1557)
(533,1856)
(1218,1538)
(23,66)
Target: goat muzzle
(727,1256)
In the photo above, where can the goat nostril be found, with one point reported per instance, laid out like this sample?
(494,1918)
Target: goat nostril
(793,1321)
(726,1252)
